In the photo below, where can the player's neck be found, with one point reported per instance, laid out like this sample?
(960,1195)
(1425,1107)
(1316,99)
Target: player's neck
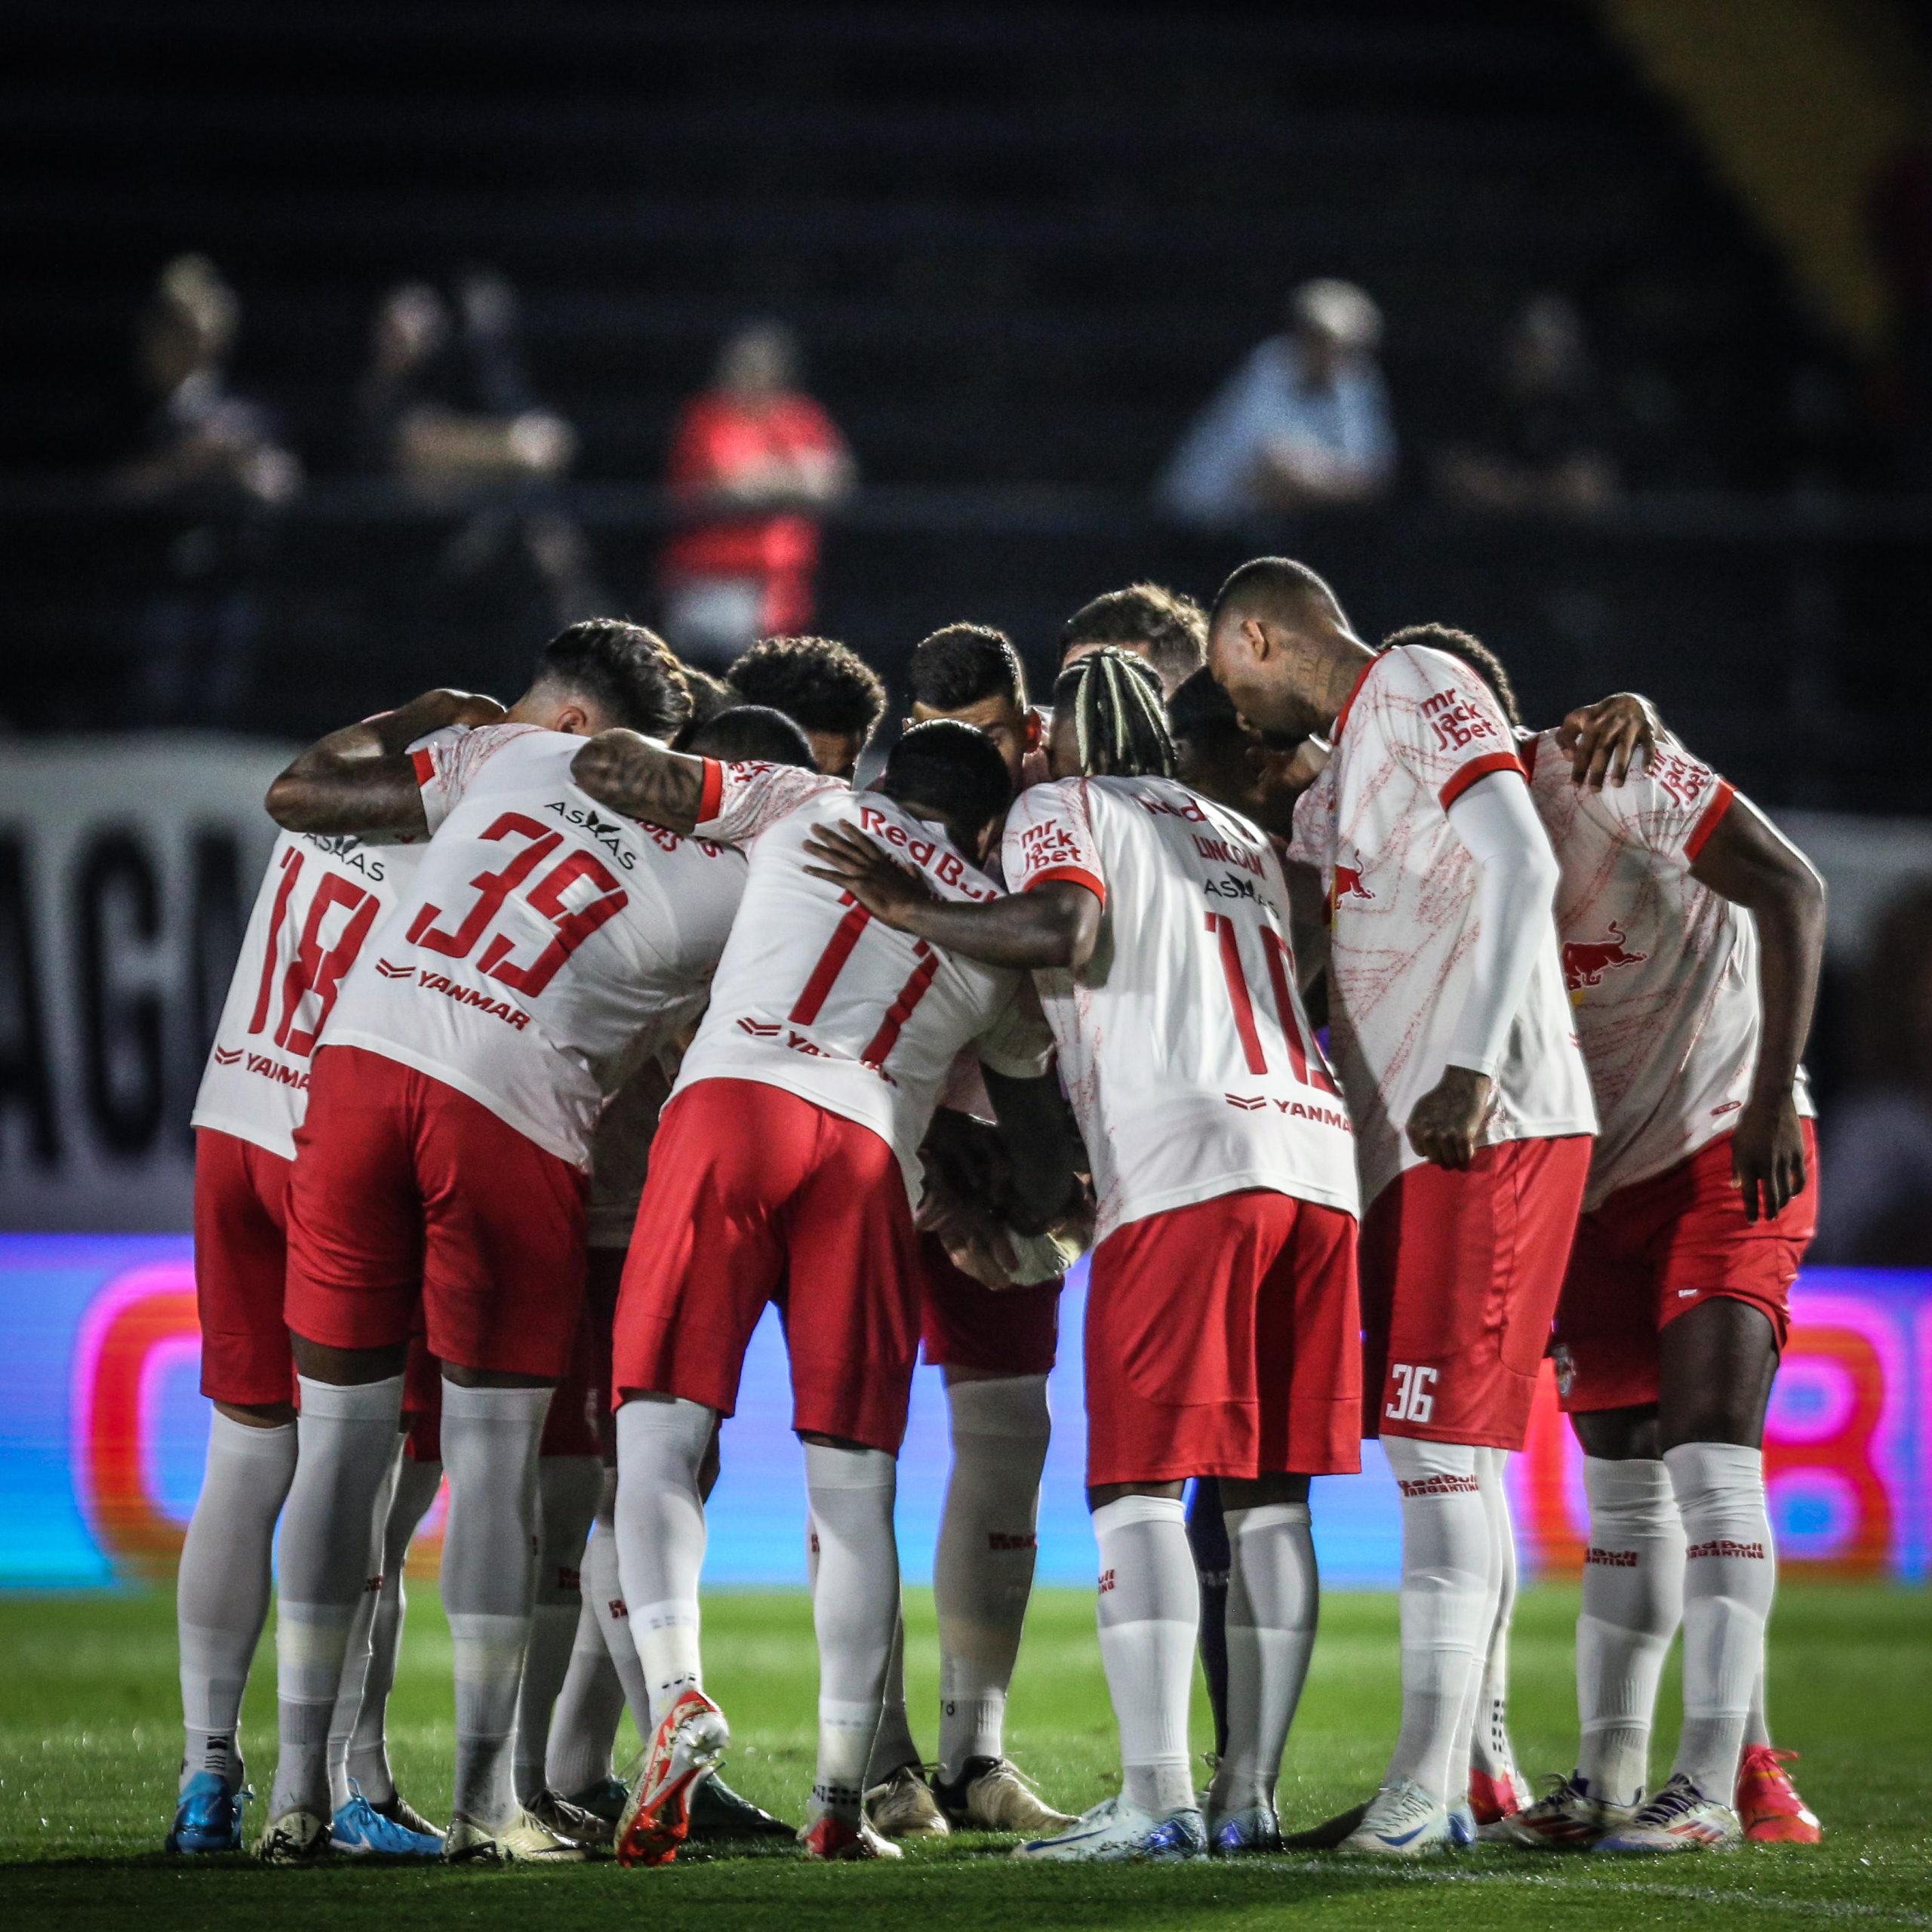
(1347,657)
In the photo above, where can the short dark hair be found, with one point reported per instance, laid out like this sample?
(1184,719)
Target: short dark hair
(1477,655)
(1275,587)
(628,671)
(1118,714)
(826,685)
(951,769)
(1201,710)
(709,696)
(747,733)
(964,664)
(1173,627)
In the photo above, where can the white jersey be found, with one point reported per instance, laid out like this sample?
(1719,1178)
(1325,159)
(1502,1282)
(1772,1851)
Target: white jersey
(816,996)
(1661,971)
(546,945)
(1418,730)
(320,899)
(1191,1067)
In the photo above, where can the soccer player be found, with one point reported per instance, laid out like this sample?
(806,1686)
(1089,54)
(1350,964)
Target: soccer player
(319,900)
(1456,1047)
(1166,629)
(1693,935)
(1222,1334)
(544,947)
(786,1166)
(831,691)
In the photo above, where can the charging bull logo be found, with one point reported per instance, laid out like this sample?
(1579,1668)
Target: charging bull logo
(1586,961)
(1348,885)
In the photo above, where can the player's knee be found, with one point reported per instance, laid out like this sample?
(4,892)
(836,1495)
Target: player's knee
(1619,1436)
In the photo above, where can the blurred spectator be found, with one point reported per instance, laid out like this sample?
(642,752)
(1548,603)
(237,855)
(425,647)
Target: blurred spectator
(1877,1151)
(1544,443)
(753,463)
(1302,423)
(465,433)
(213,455)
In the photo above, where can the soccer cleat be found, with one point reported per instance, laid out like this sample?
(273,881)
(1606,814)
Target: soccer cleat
(605,1799)
(990,1795)
(358,1830)
(1462,1826)
(839,1841)
(1768,1805)
(686,1750)
(570,1822)
(1493,1799)
(207,1817)
(1114,1833)
(523,1841)
(719,1812)
(398,1811)
(1402,1821)
(296,1838)
(1566,1818)
(903,1807)
(1680,1818)
(1252,1830)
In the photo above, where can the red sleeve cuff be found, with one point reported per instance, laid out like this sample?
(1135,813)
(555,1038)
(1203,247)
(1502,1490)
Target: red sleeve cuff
(712,793)
(1461,780)
(1713,816)
(425,767)
(1067,876)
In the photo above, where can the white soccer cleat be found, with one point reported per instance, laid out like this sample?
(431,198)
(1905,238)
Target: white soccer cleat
(1566,1818)
(990,1794)
(1680,1818)
(685,1749)
(903,1807)
(1114,1833)
(296,1838)
(1402,1821)
(523,1841)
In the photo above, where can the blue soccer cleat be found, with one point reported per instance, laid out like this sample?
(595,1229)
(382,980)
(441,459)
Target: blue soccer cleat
(358,1830)
(207,1817)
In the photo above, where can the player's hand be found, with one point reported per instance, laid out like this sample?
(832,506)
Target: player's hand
(1602,739)
(472,708)
(1445,1121)
(1768,1156)
(886,889)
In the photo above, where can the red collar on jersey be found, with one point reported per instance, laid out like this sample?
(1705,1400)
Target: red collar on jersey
(1355,692)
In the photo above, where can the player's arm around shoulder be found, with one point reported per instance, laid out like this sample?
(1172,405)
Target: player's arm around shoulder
(362,779)
(631,774)
(1744,858)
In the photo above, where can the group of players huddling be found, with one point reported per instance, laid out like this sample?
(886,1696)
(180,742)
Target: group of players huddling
(567,1037)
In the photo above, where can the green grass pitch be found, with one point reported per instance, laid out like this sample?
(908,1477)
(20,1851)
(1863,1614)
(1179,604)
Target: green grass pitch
(89,1739)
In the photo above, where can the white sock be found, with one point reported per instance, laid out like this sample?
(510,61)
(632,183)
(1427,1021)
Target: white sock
(660,1542)
(1758,1725)
(855,1612)
(368,1762)
(356,1659)
(568,1489)
(1490,1750)
(1447,1604)
(893,1744)
(1729,1575)
(1274,1592)
(1633,1602)
(1462,1753)
(1149,1617)
(604,1589)
(983,1571)
(347,1435)
(583,1729)
(490,1441)
(222,1591)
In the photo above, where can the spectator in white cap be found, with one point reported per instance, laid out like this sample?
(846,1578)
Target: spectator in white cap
(1303,423)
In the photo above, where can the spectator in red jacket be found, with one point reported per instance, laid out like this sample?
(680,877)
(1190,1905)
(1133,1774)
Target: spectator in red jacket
(754,463)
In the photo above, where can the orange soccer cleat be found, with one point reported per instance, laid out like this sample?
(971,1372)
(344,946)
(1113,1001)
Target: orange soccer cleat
(686,1750)
(1493,1798)
(1768,1804)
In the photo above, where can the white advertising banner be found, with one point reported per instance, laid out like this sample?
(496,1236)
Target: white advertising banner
(127,868)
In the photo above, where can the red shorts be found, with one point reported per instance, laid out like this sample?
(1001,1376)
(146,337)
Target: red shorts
(1653,1251)
(1223,1340)
(998,1331)
(756,1195)
(241,1259)
(400,1180)
(1460,1276)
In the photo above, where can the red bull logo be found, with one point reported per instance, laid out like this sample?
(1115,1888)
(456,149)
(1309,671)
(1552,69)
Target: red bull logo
(1349,885)
(1586,961)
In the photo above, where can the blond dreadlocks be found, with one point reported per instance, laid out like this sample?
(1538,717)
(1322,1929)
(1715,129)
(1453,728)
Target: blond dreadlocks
(1120,715)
